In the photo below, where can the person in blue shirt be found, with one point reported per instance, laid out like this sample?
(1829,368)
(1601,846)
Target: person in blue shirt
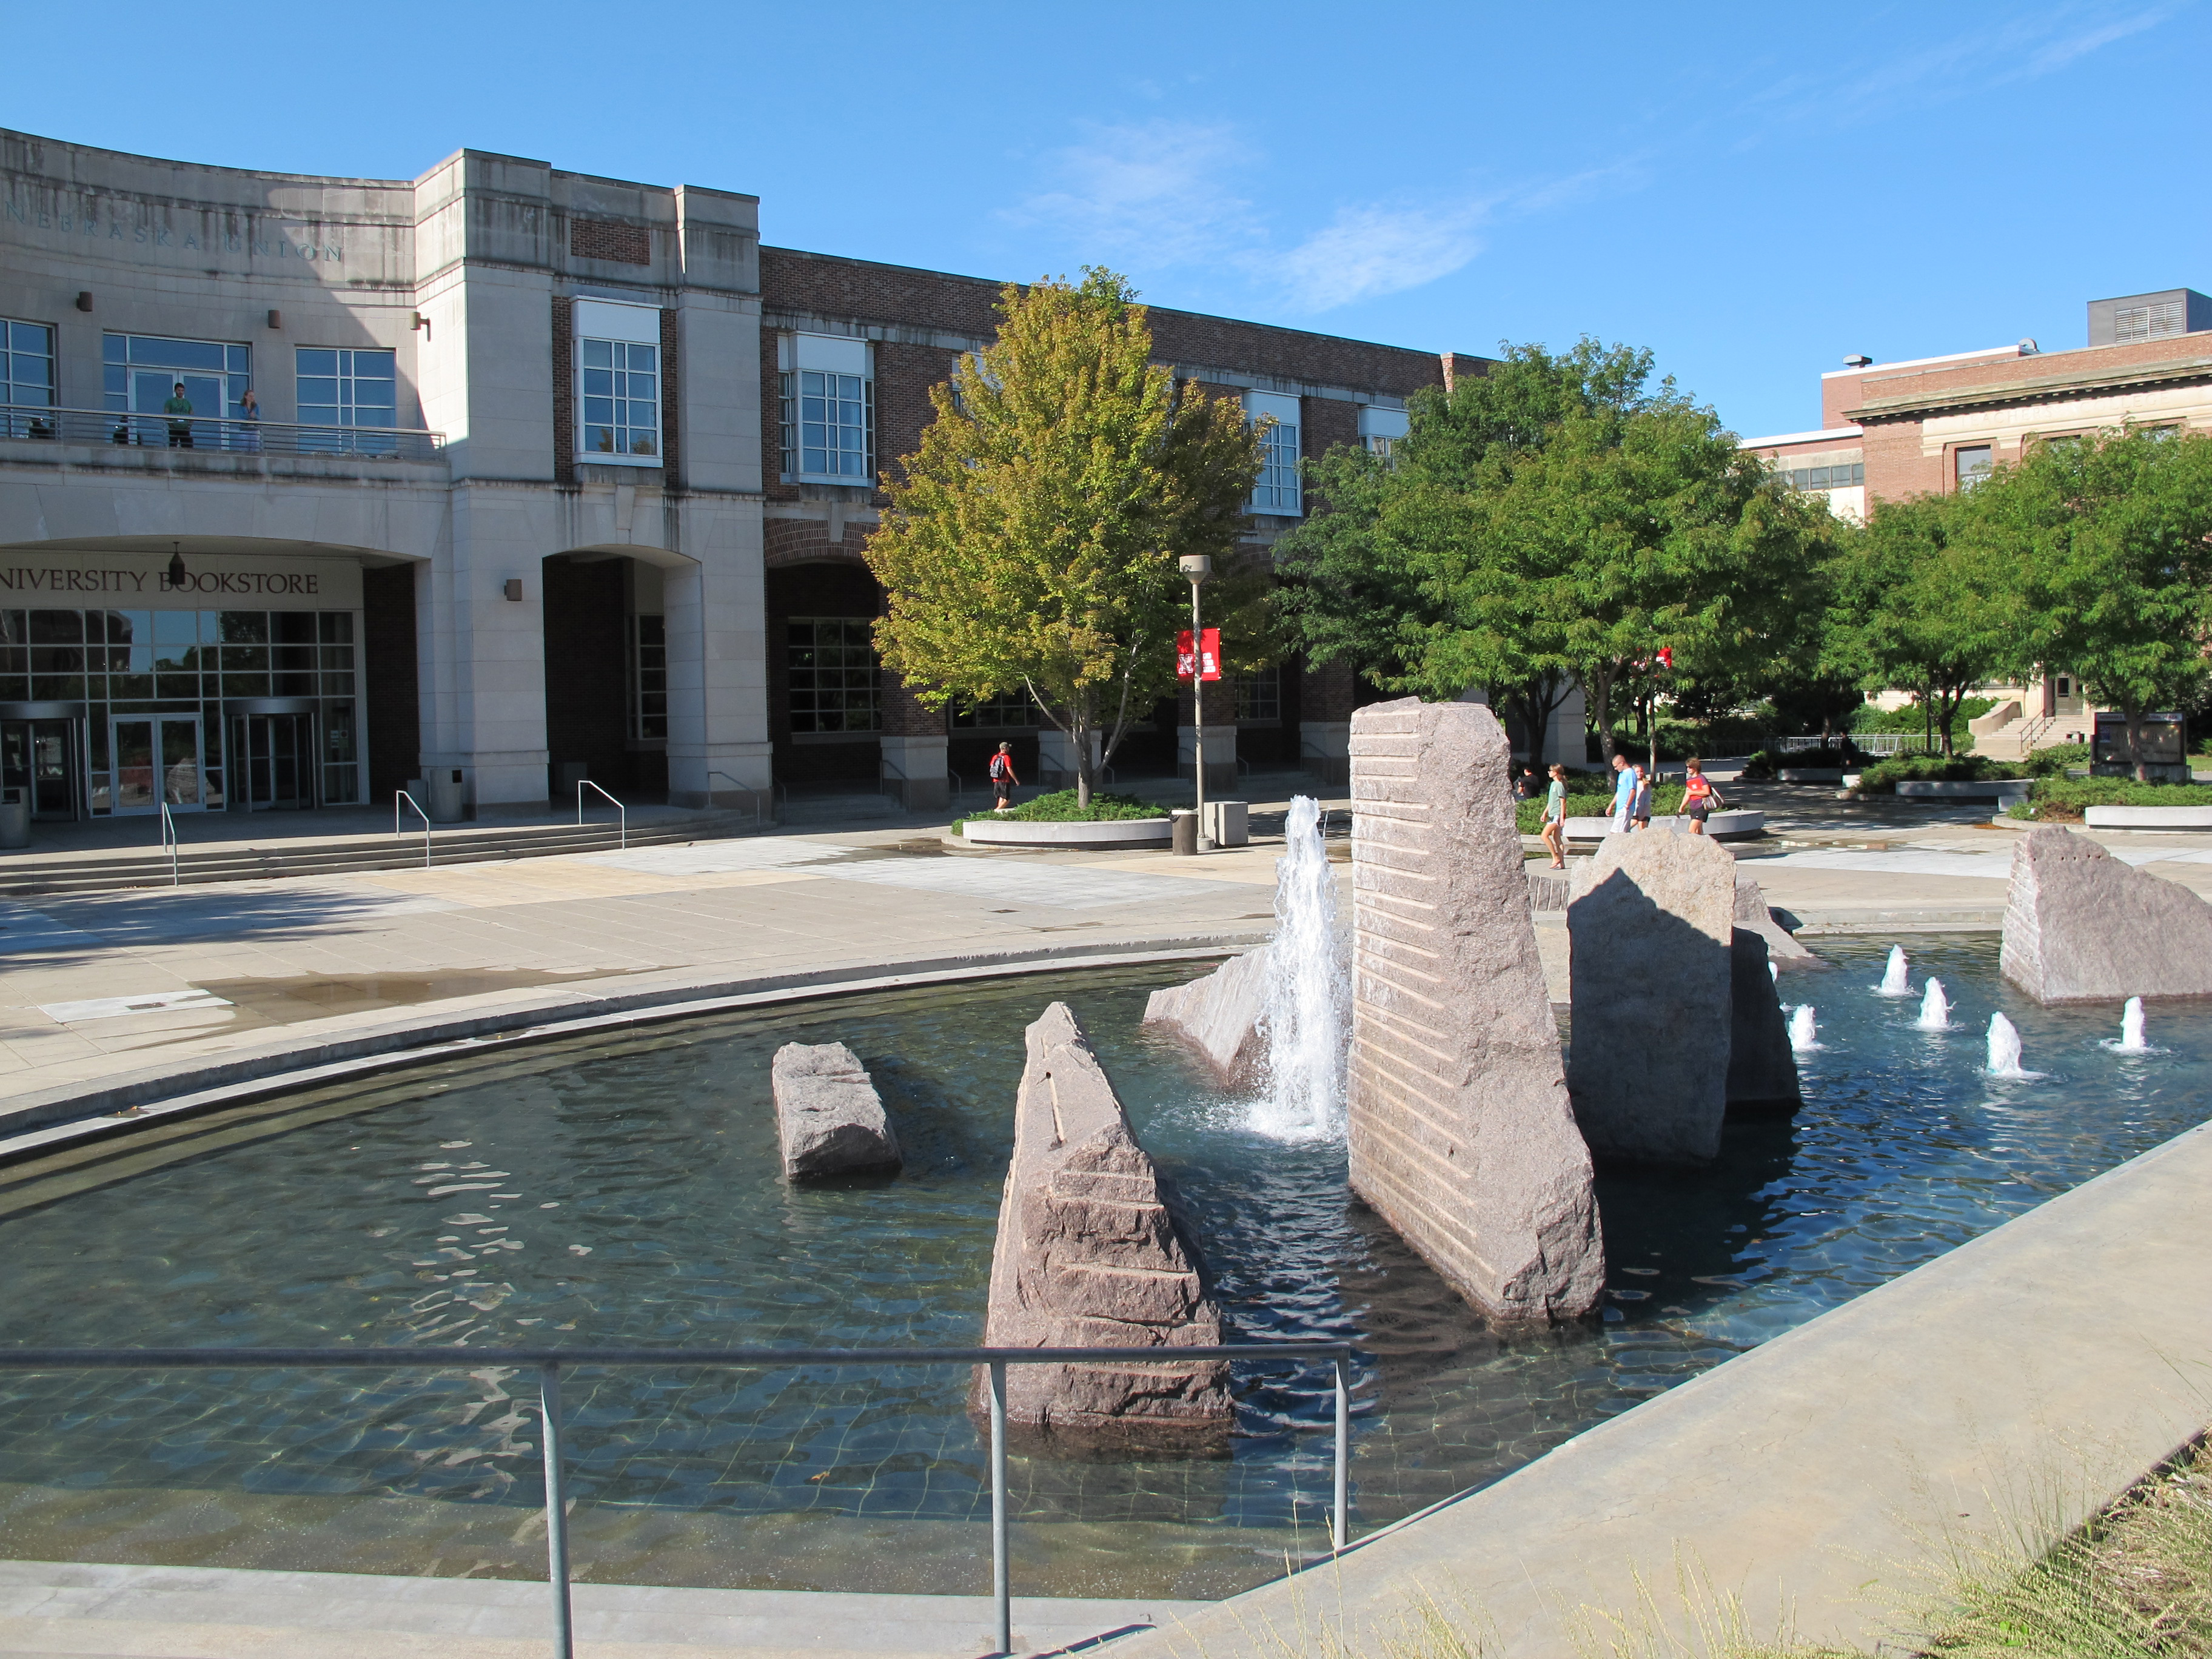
(1624,794)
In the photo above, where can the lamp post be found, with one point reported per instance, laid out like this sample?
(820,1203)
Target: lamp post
(1198,567)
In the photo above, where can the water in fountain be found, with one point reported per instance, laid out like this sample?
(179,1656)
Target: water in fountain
(1934,1008)
(1801,1029)
(1774,972)
(2132,1040)
(2004,1049)
(1893,980)
(1309,990)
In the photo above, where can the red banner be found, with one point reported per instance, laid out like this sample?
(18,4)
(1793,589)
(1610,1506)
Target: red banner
(1208,659)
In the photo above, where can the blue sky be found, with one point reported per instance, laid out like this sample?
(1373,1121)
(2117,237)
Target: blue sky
(1751,191)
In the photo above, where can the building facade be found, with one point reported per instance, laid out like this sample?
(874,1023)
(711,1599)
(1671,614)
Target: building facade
(310,487)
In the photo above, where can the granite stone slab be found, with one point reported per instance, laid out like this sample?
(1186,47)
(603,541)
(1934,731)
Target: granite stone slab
(2079,926)
(1220,1016)
(828,1114)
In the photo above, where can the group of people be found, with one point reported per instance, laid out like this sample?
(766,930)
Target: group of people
(1632,802)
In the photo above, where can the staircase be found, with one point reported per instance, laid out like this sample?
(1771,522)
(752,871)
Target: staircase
(105,872)
(2014,738)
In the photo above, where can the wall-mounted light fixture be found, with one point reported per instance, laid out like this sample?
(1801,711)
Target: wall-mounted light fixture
(276,318)
(84,298)
(177,572)
(423,324)
(515,587)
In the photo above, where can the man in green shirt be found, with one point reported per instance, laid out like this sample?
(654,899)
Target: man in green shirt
(180,431)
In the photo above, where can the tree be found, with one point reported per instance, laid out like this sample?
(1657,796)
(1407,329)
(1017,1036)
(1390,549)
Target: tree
(2111,539)
(1031,542)
(1918,603)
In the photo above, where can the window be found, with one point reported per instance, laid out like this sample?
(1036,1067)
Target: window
(1839,476)
(828,410)
(1014,708)
(648,680)
(1970,465)
(618,383)
(832,665)
(139,373)
(26,370)
(340,387)
(1382,431)
(1276,491)
(1259,697)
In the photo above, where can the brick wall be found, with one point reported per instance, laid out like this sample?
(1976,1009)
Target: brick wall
(393,720)
(806,541)
(610,240)
(904,374)
(564,391)
(672,437)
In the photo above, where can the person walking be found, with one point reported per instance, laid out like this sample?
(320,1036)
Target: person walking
(1700,798)
(1003,781)
(1554,829)
(1640,812)
(1624,794)
(180,431)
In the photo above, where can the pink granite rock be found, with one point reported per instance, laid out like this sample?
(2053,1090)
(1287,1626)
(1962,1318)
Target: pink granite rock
(1088,1254)
(2081,926)
(1218,1015)
(828,1114)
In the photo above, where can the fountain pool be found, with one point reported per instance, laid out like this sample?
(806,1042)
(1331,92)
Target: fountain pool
(626,1191)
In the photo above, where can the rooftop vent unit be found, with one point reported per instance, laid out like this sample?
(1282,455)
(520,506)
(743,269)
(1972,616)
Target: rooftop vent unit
(2148,316)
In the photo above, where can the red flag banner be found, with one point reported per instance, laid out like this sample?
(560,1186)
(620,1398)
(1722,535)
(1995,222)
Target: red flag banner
(1207,660)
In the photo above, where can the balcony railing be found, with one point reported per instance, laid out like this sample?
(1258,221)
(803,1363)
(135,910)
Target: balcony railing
(224,436)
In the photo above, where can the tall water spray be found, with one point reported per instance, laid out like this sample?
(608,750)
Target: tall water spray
(1309,989)
(2132,1041)
(1934,1008)
(2004,1049)
(1894,980)
(1802,1030)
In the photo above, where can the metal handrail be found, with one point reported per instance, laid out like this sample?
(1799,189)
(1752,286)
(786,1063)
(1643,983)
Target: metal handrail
(622,812)
(171,841)
(548,1362)
(726,778)
(225,434)
(399,795)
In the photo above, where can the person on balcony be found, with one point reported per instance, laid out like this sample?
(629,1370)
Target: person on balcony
(180,431)
(249,422)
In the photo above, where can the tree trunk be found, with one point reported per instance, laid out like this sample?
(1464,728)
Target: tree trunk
(1081,719)
(1603,685)
(2134,742)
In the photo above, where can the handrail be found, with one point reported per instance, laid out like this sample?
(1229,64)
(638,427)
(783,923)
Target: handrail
(548,1362)
(226,435)
(399,795)
(171,841)
(726,778)
(622,812)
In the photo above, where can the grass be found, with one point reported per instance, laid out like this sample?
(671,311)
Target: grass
(2062,799)
(1060,807)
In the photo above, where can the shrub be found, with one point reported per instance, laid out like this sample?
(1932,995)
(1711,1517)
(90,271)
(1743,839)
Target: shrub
(1666,800)
(1767,762)
(1910,718)
(2053,762)
(1060,807)
(1883,776)
(2061,799)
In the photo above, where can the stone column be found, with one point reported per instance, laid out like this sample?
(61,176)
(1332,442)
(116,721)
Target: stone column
(915,748)
(718,743)
(1461,1138)
(1056,757)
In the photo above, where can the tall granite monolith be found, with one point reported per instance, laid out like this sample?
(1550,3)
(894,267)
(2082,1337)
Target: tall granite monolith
(1650,933)
(829,1116)
(1089,1254)
(1461,1138)
(1762,1066)
(2081,926)
(1218,1016)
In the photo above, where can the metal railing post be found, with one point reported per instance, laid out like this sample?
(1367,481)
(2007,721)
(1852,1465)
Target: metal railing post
(556,1511)
(170,842)
(1001,1589)
(621,812)
(1341,1526)
(399,795)
(727,778)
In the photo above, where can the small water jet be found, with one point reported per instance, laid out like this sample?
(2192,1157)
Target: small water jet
(1894,980)
(1307,993)
(2132,1040)
(1934,1008)
(2004,1050)
(1774,972)
(1802,1030)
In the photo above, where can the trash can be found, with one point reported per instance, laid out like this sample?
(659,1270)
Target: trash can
(15,818)
(1229,823)
(444,805)
(1183,830)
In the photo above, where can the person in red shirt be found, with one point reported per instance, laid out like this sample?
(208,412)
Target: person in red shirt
(1699,798)
(1003,781)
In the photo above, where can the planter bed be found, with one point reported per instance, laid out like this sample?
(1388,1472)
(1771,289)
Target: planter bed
(1078,832)
(1733,825)
(1997,789)
(2147,817)
(1809,775)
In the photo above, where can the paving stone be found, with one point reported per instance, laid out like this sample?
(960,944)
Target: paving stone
(2081,926)
(828,1114)
(1461,1137)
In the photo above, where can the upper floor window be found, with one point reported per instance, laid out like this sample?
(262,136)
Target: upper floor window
(1841,476)
(1382,431)
(1276,491)
(140,373)
(829,409)
(27,364)
(1971,464)
(618,383)
(338,387)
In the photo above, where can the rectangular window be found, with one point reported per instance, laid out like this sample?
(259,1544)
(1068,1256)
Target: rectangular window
(831,662)
(1276,491)
(1839,476)
(1259,697)
(1382,431)
(1015,708)
(342,388)
(827,393)
(27,375)
(618,383)
(648,684)
(140,374)
(1970,465)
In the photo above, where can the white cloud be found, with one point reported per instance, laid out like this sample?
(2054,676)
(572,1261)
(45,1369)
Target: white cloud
(1159,190)
(1371,250)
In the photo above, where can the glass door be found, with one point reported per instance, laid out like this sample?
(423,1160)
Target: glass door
(157,758)
(150,388)
(40,759)
(272,758)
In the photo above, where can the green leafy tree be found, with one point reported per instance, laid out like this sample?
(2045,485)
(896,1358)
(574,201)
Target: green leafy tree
(2109,540)
(1031,542)
(1919,605)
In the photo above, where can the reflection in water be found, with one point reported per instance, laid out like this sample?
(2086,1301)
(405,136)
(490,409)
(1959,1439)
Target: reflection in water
(626,1192)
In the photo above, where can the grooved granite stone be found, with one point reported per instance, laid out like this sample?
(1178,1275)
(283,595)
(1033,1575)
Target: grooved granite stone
(828,1114)
(2081,926)
(1461,1138)
(1650,935)
(1220,1015)
(1088,1254)
(1762,1068)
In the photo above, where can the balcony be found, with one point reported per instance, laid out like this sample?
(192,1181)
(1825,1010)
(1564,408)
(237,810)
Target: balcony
(205,434)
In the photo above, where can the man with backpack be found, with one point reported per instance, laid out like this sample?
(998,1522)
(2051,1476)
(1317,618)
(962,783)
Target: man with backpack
(1003,781)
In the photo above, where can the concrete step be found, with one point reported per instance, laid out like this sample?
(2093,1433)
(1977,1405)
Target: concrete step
(818,810)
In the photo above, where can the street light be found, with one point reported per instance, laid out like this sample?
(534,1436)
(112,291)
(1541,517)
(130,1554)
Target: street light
(1198,567)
